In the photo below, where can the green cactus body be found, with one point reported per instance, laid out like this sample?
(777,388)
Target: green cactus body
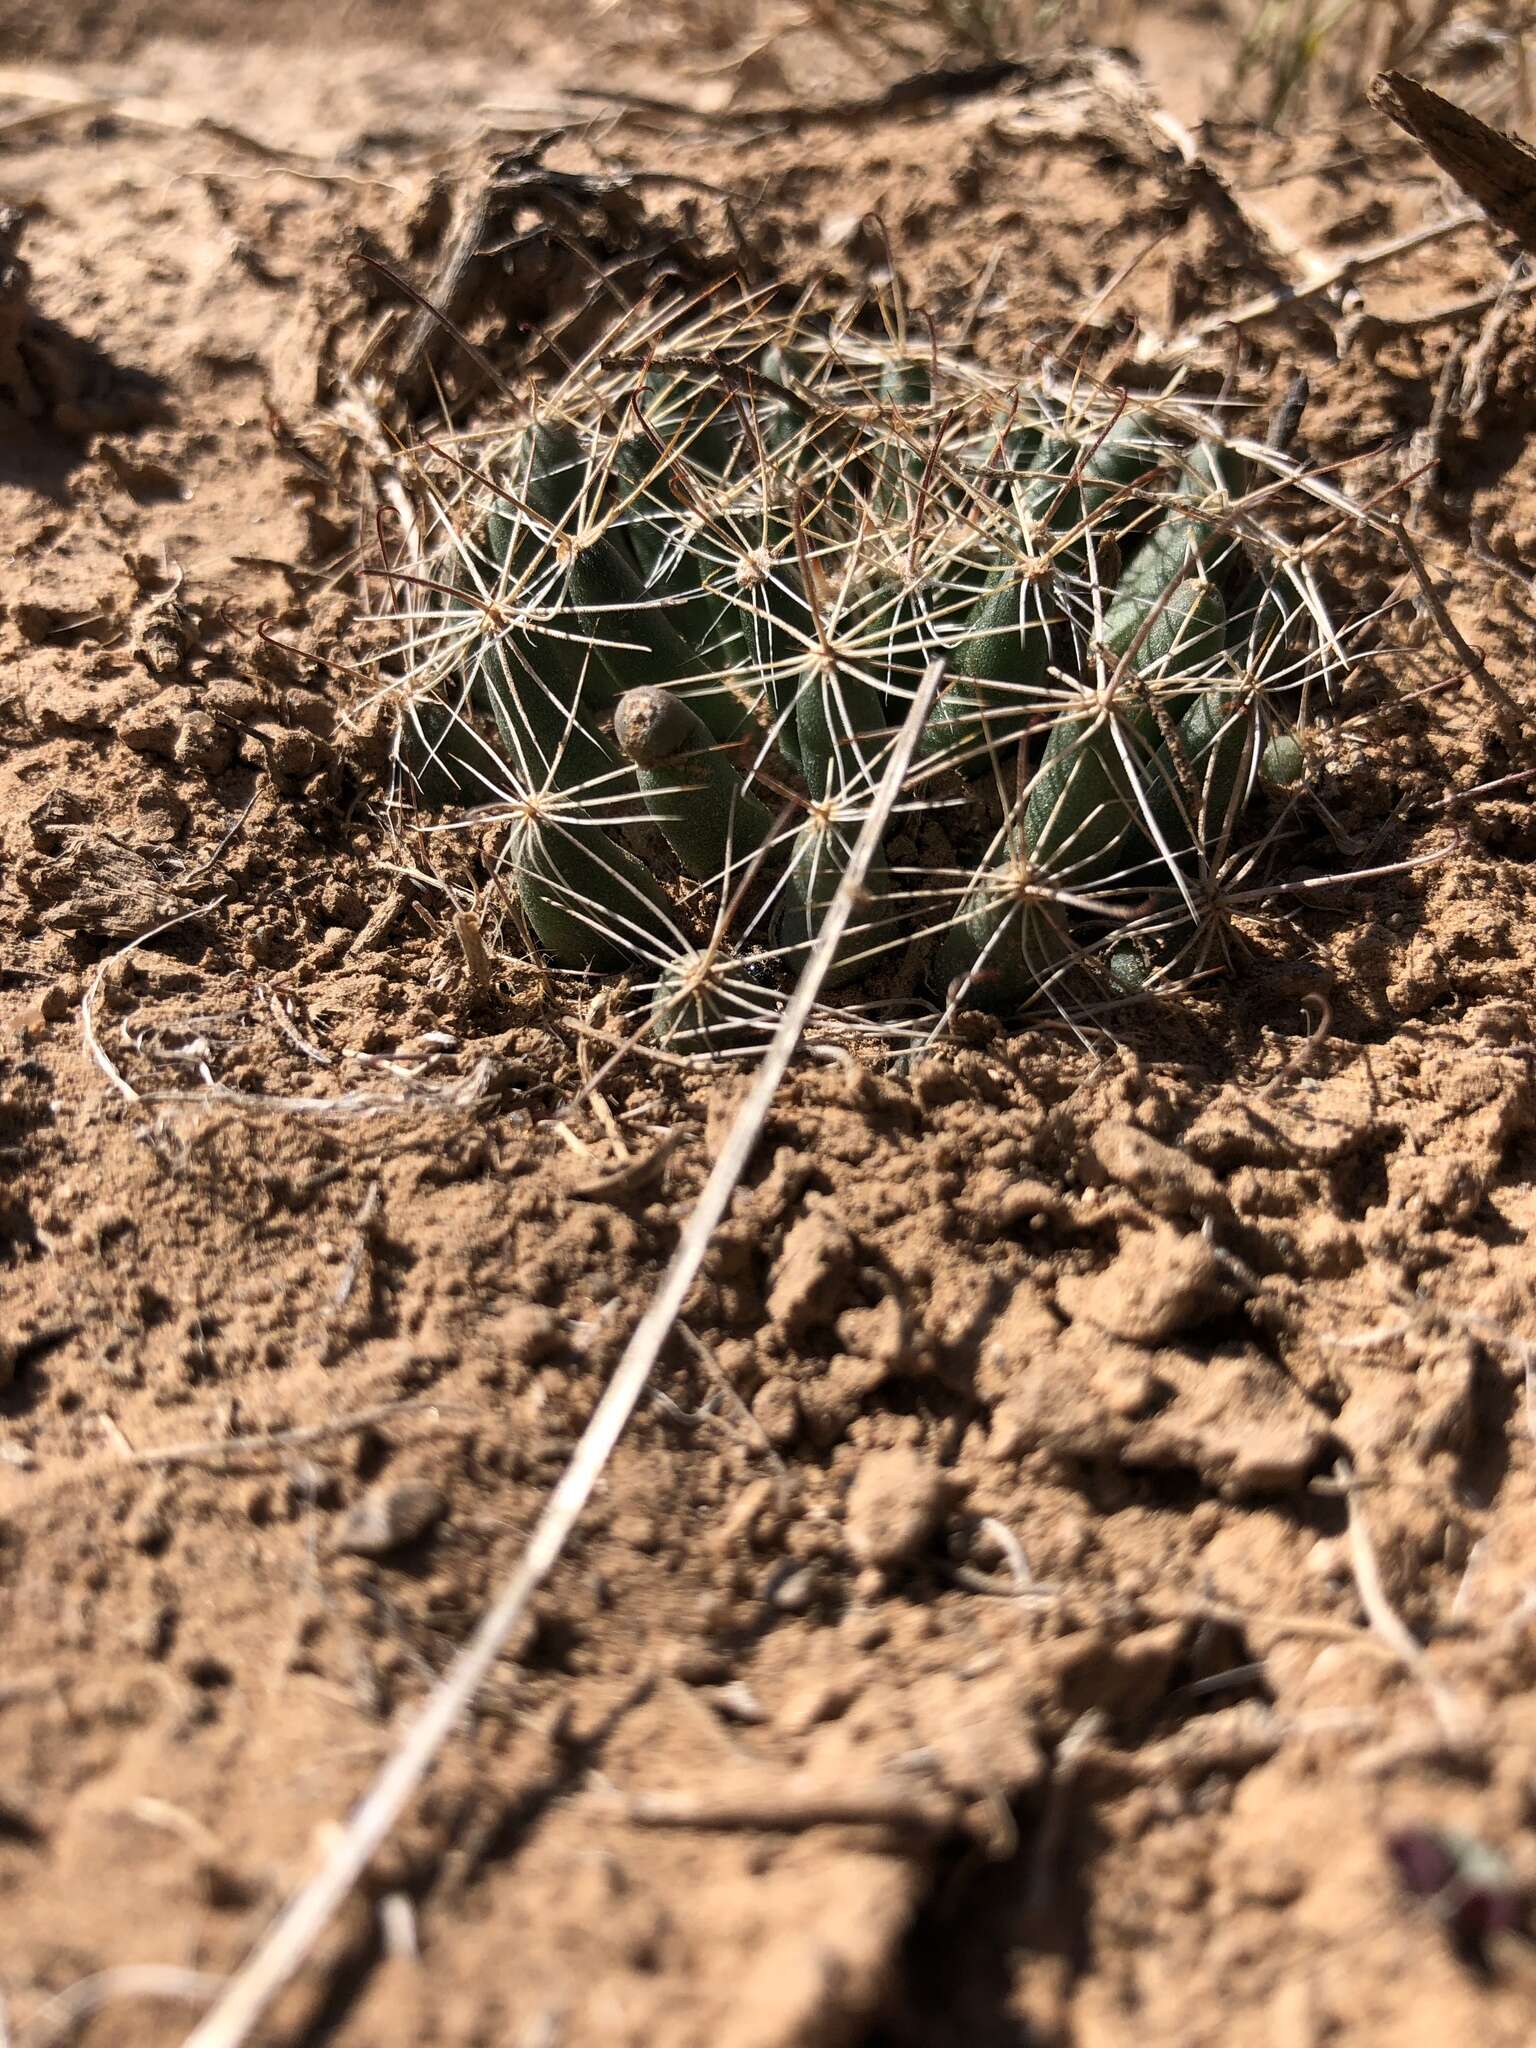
(536,682)
(839,720)
(1269,631)
(548,472)
(1088,801)
(1269,642)
(782,420)
(693,424)
(448,761)
(1002,646)
(662,477)
(1219,471)
(1020,453)
(549,475)
(1131,453)
(1131,965)
(644,511)
(815,451)
(613,605)
(1007,942)
(1063,550)
(1083,804)
(657,534)
(1076,485)
(896,634)
(904,386)
(1177,632)
(699,1008)
(608,614)
(694,795)
(1049,473)
(1194,783)
(540,693)
(1045,498)
(610,602)
(993,675)
(1244,606)
(1200,539)
(1283,765)
(701,612)
(777,627)
(819,857)
(588,901)
(1177,547)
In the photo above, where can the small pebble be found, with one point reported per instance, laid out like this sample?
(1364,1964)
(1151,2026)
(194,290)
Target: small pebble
(737,1702)
(793,1592)
(389,1517)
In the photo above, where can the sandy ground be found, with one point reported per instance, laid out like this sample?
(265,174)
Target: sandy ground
(292,1174)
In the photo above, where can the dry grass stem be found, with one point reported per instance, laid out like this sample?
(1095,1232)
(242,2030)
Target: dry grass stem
(290,1939)
(789,1808)
(1385,1619)
(219,1449)
(1346,270)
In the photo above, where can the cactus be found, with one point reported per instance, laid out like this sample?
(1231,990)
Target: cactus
(669,630)
(704,1002)
(693,794)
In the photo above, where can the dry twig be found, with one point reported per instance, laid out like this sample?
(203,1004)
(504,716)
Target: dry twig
(1495,169)
(1385,1619)
(632,1177)
(97,982)
(221,1448)
(1367,330)
(1429,443)
(1301,1059)
(1345,271)
(1052,1831)
(61,2019)
(1483,361)
(352,1271)
(477,962)
(790,1808)
(292,1936)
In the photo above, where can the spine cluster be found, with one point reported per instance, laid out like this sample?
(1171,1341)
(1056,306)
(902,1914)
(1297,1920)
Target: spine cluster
(667,629)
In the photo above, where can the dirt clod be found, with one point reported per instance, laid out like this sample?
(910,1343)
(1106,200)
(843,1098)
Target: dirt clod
(894,1508)
(1158,1284)
(1161,1177)
(204,744)
(809,1276)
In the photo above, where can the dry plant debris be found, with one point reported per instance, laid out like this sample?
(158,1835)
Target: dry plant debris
(1496,169)
(1168,1675)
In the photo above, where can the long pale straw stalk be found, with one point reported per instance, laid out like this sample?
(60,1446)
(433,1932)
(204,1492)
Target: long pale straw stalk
(291,1938)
